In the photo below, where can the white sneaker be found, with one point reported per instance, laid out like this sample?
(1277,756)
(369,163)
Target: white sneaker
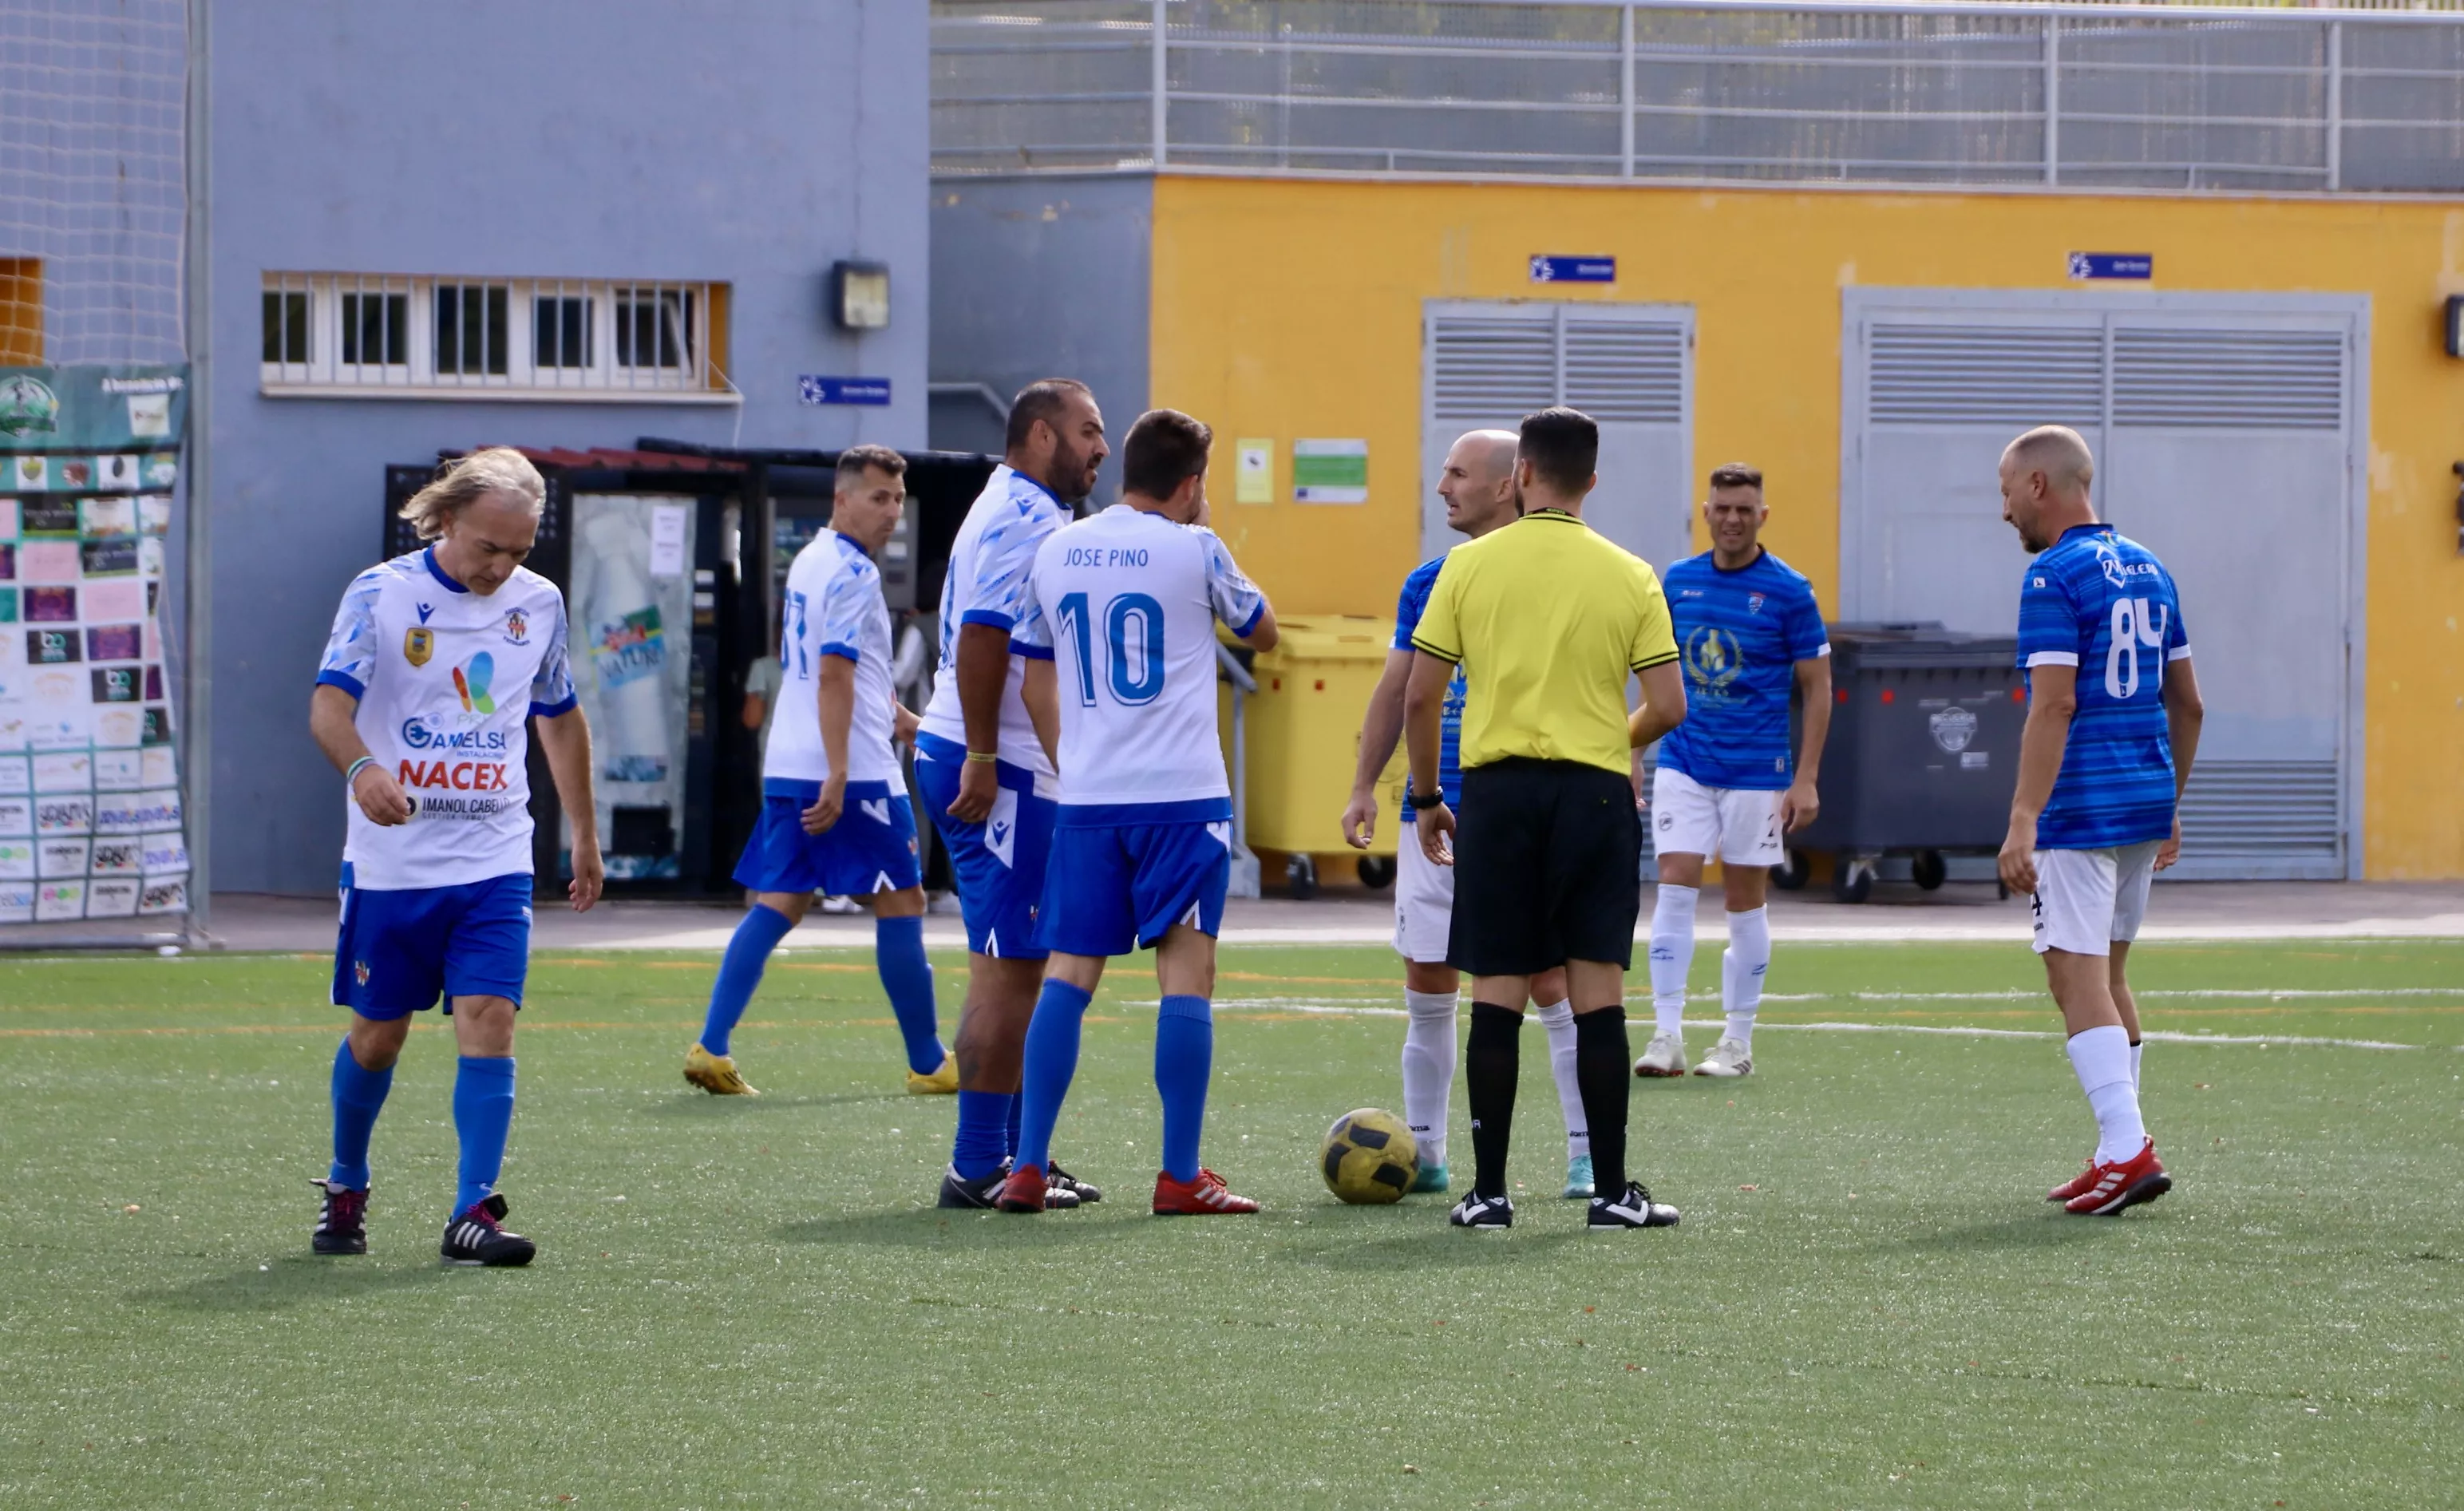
(1664,1056)
(1729,1058)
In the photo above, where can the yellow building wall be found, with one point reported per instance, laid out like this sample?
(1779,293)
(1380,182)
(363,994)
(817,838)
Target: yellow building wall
(1292,308)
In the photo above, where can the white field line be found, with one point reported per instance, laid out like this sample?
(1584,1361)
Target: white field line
(1271,1004)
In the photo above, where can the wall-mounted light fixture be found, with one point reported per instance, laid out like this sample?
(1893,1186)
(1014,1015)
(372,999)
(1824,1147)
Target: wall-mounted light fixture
(859,296)
(2455,325)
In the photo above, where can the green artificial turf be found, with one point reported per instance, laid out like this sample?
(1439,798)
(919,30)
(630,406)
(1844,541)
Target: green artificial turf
(752,1303)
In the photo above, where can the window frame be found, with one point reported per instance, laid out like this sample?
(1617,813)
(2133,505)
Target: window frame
(698,374)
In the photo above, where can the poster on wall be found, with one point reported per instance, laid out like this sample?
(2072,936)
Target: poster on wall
(632,669)
(93,821)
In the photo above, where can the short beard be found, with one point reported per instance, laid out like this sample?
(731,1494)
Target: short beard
(1069,480)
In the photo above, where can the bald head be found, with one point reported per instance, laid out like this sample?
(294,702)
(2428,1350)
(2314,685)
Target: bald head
(2045,478)
(1478,481)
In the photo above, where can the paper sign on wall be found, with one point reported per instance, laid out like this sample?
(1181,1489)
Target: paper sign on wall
(1253,476)
(668,525)
(1331,472)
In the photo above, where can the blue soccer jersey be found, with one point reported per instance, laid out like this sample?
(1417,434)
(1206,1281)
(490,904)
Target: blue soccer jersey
(1407,619)
(2100,603)
(1739,636)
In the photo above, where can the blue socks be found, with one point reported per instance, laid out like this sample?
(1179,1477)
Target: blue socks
(740,972)
(1184,1057)
(1016,1105)
(984,1119)
(483,1116)
(1052,1061)
(898,951)
(359,1096)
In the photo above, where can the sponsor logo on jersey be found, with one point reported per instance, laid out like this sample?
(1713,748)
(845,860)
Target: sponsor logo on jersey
(517,627)
(420,735)
(1713,658)
(418,644)
(425,609)
(460,775)
(470,681)
(1952,728)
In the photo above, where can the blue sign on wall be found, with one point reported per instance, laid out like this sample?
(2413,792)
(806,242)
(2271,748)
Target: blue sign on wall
(1546,269)
(2113,265)
(817,389)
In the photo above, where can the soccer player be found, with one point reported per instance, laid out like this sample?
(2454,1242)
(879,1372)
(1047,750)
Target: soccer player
(985,772)
(1546,619)
(1477,486)
(835,816)
(2113,726)
(1747,628)
(1127,601)
(437,662)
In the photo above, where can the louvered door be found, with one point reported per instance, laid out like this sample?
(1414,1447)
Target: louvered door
(2223,428)
(1627,366)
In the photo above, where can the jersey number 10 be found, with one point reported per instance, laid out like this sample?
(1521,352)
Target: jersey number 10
(1134,672)
(2136,623)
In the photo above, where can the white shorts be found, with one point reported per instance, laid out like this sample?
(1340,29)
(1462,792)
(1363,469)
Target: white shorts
(2088,900)
(1424,902)
(1740,827)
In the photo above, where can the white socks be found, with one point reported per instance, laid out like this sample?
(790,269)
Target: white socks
(2134,1065)
(2101,1057)
(1672,956)
(1558,1019)
(1741,972)
(1429,1069)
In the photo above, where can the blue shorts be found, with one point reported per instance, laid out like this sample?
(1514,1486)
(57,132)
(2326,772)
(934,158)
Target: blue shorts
(397,952)
(871,849)
(999,864)
(1115,888)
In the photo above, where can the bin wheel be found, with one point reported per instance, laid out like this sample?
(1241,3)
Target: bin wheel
(1853,882)
(1792,874)
(1928,869)
(1300,878)
(1376,872)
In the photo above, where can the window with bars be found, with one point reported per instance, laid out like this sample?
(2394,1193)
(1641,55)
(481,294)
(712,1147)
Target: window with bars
(346,334)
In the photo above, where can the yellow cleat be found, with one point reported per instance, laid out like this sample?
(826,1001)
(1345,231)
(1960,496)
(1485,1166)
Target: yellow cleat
(941,1083)
(716,1074)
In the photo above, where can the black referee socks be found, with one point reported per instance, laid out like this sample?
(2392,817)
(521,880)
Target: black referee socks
(1492,1059)
(1601,1070)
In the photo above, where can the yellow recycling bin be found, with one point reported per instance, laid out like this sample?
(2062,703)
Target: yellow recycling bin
(1304,739)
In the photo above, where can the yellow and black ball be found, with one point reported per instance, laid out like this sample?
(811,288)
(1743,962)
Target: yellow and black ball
(1370,1157)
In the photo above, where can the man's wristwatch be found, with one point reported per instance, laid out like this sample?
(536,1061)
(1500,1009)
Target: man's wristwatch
(1425,802)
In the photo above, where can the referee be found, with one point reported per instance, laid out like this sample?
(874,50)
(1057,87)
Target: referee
(1546,619)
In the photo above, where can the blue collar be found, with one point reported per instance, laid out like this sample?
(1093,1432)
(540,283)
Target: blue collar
(852,543)
(1038,487)
(428,556)
(1761,551)
(2093,527)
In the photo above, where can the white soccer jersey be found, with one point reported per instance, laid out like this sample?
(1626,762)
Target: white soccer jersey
(986,585)
(1126,602)
(445,678)
(834,607)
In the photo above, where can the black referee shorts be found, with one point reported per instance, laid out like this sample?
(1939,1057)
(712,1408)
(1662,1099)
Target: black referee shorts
(1547,868)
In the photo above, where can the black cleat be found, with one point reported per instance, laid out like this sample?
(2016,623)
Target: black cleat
(985,1196)
(1633,1208)
(1057,1180)
(343,1229)
(1476,1211)
(478,1236)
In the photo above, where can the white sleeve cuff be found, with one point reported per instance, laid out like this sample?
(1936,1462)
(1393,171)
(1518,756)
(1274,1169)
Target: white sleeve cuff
(2052,658)
(1820,651)
(2178,653)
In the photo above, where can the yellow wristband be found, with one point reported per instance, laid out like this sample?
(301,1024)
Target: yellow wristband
(987,757)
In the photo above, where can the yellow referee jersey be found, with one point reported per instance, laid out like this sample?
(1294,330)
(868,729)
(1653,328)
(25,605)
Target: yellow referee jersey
(1546,618)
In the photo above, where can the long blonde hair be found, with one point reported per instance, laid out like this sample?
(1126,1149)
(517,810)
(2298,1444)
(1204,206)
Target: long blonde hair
(460,484)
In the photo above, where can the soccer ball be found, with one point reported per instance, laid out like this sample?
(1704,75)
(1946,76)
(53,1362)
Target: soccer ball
(1370,1157)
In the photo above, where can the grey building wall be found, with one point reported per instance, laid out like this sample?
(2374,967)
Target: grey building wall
(752,141)
(1040,277)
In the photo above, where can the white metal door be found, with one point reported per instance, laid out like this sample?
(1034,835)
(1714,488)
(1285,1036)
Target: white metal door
(2224,428)
(1629,366)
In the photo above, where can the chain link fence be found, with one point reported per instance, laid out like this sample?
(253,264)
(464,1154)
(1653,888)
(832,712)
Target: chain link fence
(2186,98)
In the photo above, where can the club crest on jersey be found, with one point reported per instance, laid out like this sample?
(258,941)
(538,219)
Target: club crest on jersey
(517,627)
(418,644)
(1754,603)
(359,972)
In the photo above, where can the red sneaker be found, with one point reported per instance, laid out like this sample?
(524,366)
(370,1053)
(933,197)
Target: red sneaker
(2075,1187)
(2121,1184)
(1203,1197)
(1023,1191)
